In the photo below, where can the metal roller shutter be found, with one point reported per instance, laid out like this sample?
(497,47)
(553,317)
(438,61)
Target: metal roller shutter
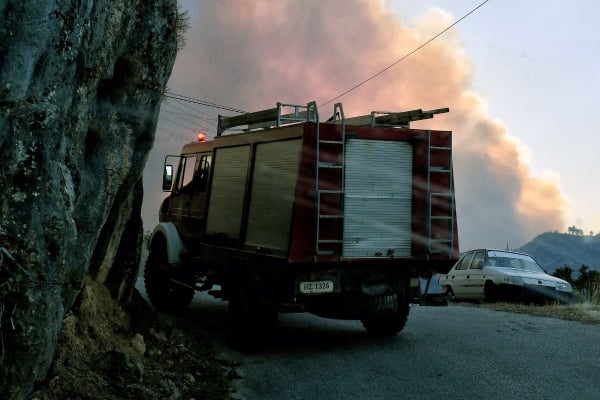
(273,189)
(378,199)
(227,192)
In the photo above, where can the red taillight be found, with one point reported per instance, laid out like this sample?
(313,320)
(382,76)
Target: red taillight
(201,136)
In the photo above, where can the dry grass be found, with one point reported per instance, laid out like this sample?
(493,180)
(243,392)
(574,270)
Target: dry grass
(585,312)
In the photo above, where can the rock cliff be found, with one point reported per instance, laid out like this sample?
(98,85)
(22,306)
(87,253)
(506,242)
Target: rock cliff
(80,90)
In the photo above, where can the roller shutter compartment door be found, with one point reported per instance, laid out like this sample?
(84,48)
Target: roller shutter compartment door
(378,199)
(272,198)
(226,202)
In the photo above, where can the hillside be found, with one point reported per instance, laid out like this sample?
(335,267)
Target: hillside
(553,250)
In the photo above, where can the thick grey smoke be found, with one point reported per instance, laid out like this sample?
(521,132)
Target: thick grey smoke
(251,54)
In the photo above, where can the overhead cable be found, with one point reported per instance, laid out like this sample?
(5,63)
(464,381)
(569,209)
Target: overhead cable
(176,96)
(404,56)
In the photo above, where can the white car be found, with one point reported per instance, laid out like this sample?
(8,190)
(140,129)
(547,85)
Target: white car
(494,275)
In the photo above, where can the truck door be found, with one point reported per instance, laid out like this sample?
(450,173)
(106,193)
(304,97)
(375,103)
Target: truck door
(188,202)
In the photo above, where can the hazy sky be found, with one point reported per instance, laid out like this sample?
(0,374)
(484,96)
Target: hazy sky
(520,80)
(536,65)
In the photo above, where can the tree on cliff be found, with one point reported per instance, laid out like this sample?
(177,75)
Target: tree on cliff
(80,91)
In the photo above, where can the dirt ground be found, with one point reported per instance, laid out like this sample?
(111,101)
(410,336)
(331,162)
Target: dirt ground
(106,352)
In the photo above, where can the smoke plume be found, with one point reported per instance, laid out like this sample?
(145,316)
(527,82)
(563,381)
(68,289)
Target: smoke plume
(251,54)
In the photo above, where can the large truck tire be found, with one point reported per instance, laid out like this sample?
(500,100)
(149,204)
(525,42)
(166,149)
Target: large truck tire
(169,289)
(253,319)
(388,315)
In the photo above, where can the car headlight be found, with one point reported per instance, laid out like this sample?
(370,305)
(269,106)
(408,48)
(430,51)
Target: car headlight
(563,287)
(513,280)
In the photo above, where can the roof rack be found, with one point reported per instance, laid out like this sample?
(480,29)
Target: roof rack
(394,119)
(275,117)
(272,117)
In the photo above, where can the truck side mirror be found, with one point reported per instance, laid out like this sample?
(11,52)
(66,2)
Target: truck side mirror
(167,178)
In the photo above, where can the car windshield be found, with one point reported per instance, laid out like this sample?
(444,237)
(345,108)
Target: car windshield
(512,260)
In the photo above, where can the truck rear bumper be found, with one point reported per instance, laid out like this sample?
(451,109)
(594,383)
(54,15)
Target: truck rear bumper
(370,282)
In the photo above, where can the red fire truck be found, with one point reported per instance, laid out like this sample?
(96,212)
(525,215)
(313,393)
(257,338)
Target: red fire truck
(292,214)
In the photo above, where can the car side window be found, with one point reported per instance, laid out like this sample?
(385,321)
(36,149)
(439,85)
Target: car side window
(466,260)
(185,174)
(477,262)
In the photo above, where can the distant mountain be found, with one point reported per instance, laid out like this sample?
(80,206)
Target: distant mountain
(553,250)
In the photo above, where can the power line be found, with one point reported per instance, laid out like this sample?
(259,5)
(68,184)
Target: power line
(183,116)
(172,134)
(405,56)
(195,110)
(180,124)
(187,112)
(194,119)
(190,118)
(176,96)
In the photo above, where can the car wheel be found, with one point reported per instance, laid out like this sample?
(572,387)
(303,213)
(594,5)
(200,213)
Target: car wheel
(490,292)
(450,294)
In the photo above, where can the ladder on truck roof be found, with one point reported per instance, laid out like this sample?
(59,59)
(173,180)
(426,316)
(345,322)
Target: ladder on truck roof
(272,117)
(440,201)
(401,119)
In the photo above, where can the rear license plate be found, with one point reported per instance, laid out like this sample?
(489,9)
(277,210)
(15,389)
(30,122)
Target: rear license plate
(316,287)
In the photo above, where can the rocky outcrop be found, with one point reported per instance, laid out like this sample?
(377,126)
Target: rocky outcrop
(80,89)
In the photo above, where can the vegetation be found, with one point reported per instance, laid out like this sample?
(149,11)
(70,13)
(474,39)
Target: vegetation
(182,24)
(587,282)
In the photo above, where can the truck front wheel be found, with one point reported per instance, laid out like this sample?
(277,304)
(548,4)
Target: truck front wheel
(382,322)
(169,289)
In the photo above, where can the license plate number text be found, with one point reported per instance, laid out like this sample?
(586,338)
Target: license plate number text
(316,287)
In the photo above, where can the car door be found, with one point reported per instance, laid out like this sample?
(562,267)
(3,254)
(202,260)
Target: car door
(475,276)
(457,277)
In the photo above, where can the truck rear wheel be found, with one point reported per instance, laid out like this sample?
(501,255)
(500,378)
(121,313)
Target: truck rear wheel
(253,319)
(388,315)
(168,288)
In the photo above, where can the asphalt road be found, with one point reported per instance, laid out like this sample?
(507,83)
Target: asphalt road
(453,352)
